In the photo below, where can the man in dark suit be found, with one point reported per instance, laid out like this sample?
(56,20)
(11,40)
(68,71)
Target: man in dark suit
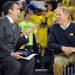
(10,60)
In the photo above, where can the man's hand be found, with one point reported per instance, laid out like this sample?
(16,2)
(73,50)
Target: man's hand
(68,50)
(72,49)
(16,55)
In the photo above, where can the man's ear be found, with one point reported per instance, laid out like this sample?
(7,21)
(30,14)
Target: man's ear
(10,11)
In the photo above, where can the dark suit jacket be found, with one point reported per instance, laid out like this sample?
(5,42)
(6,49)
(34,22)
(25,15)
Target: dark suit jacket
(8,37)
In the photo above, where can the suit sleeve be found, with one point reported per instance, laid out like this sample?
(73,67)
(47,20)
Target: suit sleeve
(4,49)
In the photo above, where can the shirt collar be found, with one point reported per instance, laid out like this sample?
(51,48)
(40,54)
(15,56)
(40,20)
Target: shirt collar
(66,26)
(10,19)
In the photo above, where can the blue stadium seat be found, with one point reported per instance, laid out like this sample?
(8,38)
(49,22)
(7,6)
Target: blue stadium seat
(69,70)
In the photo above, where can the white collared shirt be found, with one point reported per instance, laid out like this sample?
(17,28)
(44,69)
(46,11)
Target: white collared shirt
(10,19)
(66,26)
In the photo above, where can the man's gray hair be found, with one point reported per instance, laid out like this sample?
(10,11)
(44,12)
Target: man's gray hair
(66,10)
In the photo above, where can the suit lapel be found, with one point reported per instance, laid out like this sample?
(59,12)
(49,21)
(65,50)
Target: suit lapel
(8,23)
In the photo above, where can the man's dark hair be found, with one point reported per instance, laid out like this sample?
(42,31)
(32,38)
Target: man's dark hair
(8,5)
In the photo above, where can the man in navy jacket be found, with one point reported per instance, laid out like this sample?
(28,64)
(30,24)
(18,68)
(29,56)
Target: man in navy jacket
(62,40)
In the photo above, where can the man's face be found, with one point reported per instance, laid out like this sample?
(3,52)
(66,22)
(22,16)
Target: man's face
(15,12)
(61,16)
